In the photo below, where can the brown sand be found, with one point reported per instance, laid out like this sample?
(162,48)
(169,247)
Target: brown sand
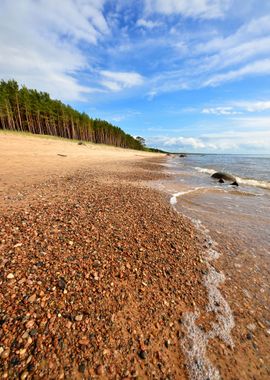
(96,269)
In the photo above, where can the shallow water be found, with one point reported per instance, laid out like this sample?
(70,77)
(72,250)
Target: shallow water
(237,219)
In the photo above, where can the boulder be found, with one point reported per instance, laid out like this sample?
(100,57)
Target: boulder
(224,176)
(235,183)
(221,180)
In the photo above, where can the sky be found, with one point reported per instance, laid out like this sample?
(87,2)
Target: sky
(187,75)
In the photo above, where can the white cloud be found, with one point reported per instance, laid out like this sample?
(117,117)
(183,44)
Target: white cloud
(220,111)
(149,24)
(206,9)
(238,134)
(117,81)
(180,141)
(253,106)
(238,107)
(260,67)
(216,58)
(39,43)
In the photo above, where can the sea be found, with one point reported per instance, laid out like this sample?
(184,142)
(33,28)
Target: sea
(235,222)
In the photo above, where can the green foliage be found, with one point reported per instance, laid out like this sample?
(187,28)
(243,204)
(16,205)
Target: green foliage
(27,110)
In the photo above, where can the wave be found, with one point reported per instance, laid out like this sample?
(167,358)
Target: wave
(254,182)
(173,199)
(243,181)
(205,170)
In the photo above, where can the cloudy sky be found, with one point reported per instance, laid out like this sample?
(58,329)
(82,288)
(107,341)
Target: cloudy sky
(188,75)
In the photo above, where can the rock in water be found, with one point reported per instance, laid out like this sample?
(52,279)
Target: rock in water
(221,180)
(235,183)
(224,176)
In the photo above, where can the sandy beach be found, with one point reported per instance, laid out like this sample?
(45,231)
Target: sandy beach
(101,277)
(96,268)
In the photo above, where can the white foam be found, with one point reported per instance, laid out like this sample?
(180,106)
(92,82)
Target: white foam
(174,197)
(205,170)
(253,182)
(195,341)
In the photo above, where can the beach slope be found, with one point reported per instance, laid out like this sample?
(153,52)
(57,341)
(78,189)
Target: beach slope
(96,268)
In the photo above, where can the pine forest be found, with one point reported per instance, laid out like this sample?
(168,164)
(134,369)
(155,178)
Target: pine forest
(27,110)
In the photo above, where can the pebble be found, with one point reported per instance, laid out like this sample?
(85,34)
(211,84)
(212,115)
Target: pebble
(100,370)
(33,332)
(62,283)
(24,375)
(142,354)
(22,351)
(84,341)
(30,324)
(79,317)
(32,298)
(82,367)
(10,276)
(5,354)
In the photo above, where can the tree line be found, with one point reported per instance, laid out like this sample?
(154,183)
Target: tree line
(23,109)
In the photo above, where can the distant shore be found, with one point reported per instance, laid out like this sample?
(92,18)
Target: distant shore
(96,269)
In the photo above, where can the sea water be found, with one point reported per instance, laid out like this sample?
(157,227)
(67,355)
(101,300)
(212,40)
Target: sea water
(237,220)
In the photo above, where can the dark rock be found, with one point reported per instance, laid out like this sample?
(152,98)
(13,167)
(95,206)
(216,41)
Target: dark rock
(82,367)
(235,183)
(182,155)
(14,361)
(80,143)
(30,367)
(62,283)
(40,264)
(142,354)
(249,336)
(224,176)
(33,332)
(221,180)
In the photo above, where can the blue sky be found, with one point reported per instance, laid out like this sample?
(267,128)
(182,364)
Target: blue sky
(188,75)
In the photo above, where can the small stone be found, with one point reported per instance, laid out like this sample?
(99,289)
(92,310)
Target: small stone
(5,354)
(82,367)
(100,370)
(69,324)
(15,361)
(79,317)
(96,263)
(251,327)
(84,341)
(30,324)
(62,283)
(10,276)
(1,350)
(249,336)
(167,343)
(24,375)
(33,332)
(32,298)
(142,354)
(22,351)
(17,245)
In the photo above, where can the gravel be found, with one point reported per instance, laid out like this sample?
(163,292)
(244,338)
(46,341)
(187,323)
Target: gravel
(96,270)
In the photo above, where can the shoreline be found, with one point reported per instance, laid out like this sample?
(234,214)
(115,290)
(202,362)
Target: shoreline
(244,265)
(96,273)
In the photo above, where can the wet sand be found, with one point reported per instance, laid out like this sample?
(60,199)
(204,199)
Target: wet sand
(97,269)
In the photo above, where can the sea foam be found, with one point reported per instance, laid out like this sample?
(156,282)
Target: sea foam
(196,340)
